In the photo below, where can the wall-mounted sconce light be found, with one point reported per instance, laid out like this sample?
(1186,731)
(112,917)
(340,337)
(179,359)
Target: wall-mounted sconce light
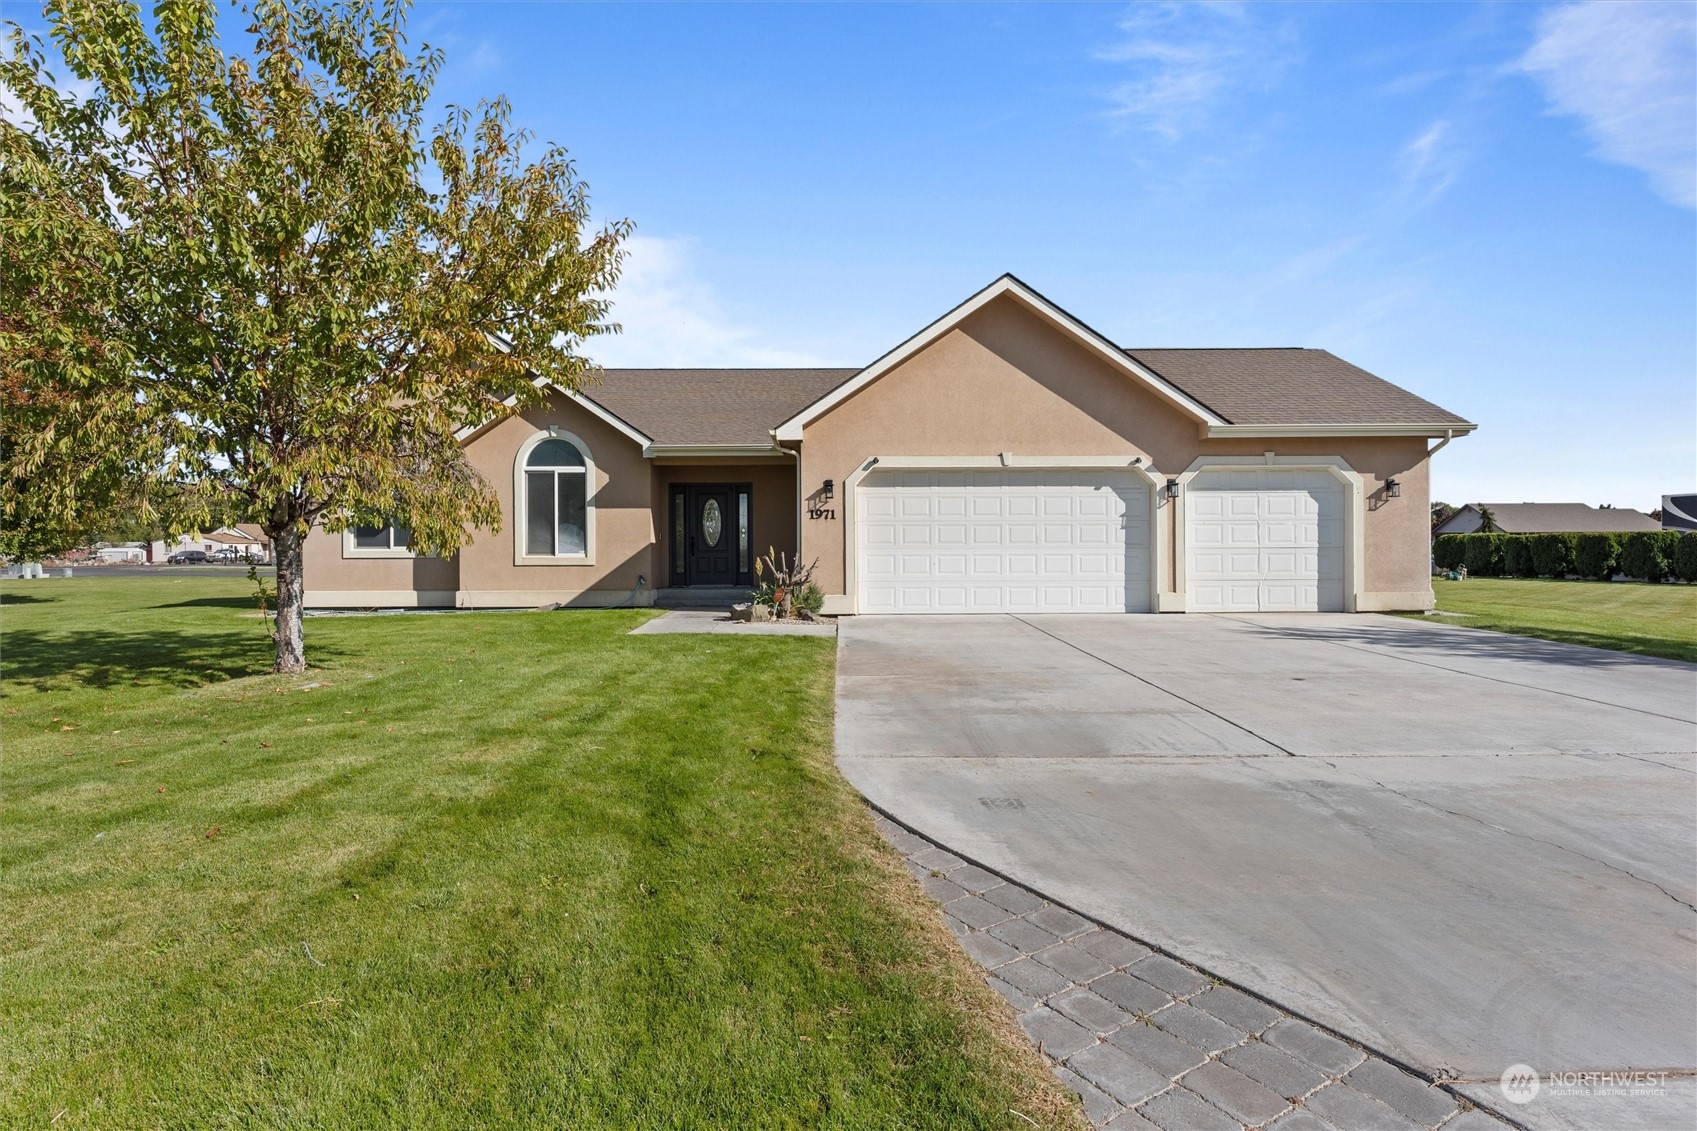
(1172,488)
(830,489)
(1393,489)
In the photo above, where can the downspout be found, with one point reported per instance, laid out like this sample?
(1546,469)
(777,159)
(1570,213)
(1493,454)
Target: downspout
(1449,434)
(796,455)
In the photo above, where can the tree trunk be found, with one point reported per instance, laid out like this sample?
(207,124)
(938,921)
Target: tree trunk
(291,595)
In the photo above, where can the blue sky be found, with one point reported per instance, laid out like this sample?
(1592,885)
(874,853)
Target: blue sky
(1491,204)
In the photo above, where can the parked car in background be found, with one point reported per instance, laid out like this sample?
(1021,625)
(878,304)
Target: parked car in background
(188,557)
(232,555)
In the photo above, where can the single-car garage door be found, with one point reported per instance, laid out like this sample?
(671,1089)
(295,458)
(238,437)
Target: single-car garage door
(1003,540)
(1264,541)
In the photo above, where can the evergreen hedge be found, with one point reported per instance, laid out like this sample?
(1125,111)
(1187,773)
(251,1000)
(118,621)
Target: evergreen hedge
(1685,558)
(1596,555)
(1651,555)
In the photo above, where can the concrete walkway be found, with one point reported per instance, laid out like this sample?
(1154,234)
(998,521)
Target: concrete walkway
(718,621)
(1465,849)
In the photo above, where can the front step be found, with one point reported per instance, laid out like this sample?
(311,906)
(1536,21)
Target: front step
(701,597)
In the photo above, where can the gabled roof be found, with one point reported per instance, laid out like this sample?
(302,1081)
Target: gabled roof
(1559,518)
(1242,392)
(711,406)
(1011,287)
(1292,386)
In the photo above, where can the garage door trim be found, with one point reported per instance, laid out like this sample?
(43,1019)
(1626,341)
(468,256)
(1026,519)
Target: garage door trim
(851,489)
(1354,498)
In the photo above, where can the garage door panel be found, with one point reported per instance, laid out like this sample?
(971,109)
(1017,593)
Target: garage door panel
(1261,539)
(1021,534)
(1240,533)
(1005,540)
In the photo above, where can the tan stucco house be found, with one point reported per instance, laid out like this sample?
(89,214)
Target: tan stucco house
(1006,458)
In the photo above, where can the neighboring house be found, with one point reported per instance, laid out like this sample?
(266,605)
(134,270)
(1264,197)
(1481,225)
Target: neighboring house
(1679,512)
(159,551)
(1007,458)
(255,536)
(1548,518)
(238,538)
(244,538)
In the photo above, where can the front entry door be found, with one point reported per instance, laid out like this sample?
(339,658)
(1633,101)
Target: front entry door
(710,521)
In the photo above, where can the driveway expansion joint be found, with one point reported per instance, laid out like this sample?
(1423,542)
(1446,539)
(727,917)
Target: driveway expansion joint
(1511,833)
(1151,683)
(1230,1056)
(1453,671)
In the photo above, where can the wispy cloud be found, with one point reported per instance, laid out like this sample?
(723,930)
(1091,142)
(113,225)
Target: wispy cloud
(1186,59)
(672,317)
(1429,163)
(485,56)
(1628,72)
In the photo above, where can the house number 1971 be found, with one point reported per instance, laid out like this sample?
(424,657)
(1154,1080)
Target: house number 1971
(821,512)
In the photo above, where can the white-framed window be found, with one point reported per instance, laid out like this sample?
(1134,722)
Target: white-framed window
(391,540)
(553,493)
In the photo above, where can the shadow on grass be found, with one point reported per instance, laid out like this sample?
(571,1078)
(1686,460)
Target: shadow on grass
(213,603)
(24,599)
(46,661)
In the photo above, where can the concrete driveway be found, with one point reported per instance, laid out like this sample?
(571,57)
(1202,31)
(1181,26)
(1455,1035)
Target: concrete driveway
(1464,849)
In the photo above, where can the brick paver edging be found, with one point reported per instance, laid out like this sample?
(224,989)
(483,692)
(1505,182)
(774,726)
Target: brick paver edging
(1148,1040)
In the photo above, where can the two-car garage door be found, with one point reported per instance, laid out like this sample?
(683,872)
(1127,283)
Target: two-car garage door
(1011,540)
(1004,540)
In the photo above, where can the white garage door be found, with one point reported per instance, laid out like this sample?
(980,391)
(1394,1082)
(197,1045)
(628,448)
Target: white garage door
(1003,540)
(1264,541)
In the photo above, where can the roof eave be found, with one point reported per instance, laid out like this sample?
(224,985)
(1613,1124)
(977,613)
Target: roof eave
(1272,431)
(791,429)
(658,451)
(595,409)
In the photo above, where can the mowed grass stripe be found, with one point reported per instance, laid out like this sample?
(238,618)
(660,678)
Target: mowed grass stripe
(1630,616)
(556,876)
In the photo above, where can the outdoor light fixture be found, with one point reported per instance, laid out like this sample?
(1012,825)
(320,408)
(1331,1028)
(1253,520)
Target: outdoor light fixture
(830,489)
(1172,488)
(1393,489)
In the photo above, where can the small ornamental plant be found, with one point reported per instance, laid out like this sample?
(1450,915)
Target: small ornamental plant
(786,585)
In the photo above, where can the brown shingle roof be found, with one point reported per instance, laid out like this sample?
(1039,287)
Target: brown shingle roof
(1289,386)
(711,406)
(1242,386)
(1558,518)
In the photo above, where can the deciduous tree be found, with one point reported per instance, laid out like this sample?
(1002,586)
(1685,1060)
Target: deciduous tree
(254,280)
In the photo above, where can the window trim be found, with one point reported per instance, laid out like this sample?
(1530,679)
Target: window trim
(520,514)
(352,550)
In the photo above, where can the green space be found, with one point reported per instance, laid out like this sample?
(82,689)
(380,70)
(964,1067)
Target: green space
(471,870)
(1653,620)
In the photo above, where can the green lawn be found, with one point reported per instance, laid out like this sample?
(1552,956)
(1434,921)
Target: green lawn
(550,875)
(1655,620)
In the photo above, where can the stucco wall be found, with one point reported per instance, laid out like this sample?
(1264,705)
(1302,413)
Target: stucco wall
(621,549)
(1007,380)
(484,572)
(374,581)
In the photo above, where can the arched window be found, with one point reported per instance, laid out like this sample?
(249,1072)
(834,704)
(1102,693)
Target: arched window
(556,500)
